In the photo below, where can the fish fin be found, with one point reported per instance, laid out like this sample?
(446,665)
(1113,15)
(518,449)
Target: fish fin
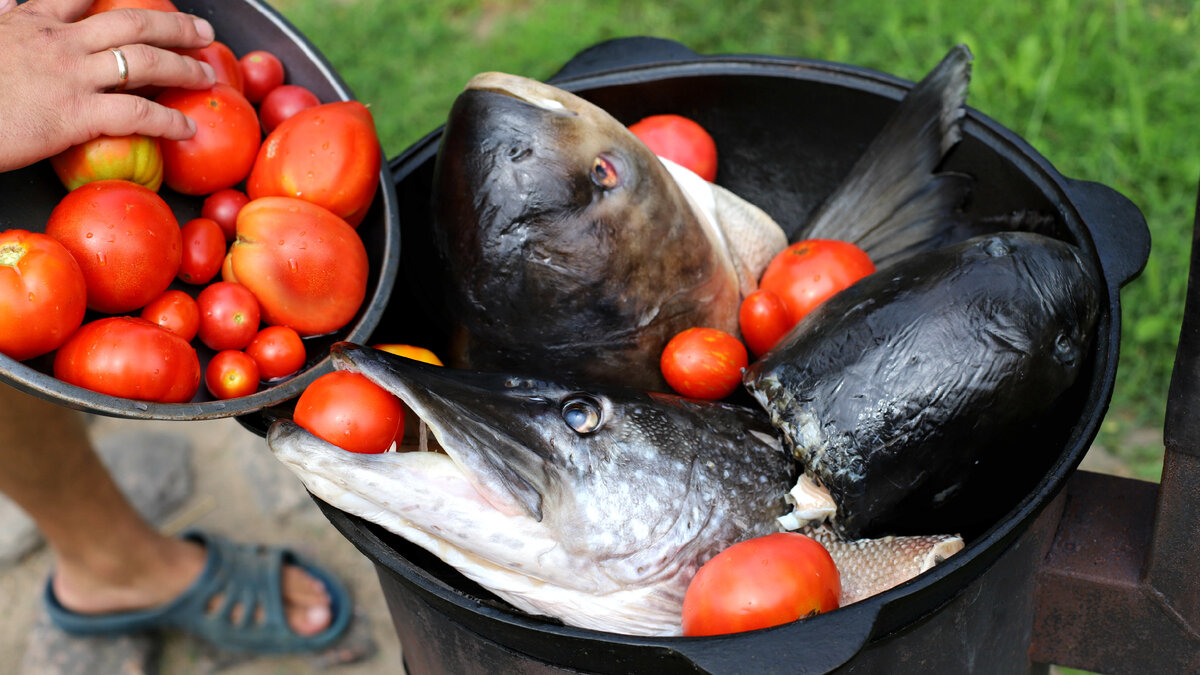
(753,236)
(891,192)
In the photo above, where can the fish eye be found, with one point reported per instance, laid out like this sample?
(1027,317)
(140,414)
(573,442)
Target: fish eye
(604,172)
(581,414)
(1064,349)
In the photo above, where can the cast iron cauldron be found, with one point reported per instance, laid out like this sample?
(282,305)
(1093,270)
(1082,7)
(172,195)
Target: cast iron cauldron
(28,196)
(787,130)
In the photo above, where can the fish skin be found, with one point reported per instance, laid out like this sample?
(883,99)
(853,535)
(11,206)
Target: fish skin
(870,566)
(941,362)
(551,272)
(603,530)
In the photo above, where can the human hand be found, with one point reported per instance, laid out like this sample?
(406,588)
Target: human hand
(57,75)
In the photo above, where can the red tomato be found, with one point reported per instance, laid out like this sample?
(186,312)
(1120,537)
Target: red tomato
(763,319)
(761,582)
(105,5)
(223,206)
(351,412)
(680,140)
(809,272)
(135,158)
(262,71)
(328,155)
(410,352)
(125,239)
(222,151)
(704,363)
(42,294)
(278,351)
(306,266)
(176,311)
(229,316)
(224,64)
(132,358)
(282,102)
(203,251)
(230,374)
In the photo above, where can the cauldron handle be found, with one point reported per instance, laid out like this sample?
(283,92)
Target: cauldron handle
(624,52)
(1118,229)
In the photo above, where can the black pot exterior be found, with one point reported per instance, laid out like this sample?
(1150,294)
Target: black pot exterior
(788,130)
(243,26)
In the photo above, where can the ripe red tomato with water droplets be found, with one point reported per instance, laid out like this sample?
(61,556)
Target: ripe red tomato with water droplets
(176,311)
(764,320)
(43,295)
(223,206)
(351,412)
(283,102)
(809,272)
(132,358)
(125,239)
(278,351)
(106,5)
(229,315)
(681,140)
(226,142)
(203,251)
(231,373)
(761,582)
(704,363)
(262,72)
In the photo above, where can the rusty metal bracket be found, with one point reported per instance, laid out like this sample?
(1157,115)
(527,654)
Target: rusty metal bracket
(1119,591)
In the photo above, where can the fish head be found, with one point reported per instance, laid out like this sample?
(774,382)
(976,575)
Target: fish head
(542,199)
(553,496)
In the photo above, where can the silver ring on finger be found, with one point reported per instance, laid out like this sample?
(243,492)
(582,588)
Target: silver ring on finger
(122,69)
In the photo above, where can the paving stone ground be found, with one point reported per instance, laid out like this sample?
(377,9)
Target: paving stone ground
(213,475)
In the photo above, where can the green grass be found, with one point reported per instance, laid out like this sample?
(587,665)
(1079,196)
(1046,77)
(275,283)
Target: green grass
(1107,90)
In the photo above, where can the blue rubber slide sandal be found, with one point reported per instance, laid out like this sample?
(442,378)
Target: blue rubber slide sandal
(245,575)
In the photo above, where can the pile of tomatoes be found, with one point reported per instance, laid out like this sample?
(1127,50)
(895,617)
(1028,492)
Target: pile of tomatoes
(273,258)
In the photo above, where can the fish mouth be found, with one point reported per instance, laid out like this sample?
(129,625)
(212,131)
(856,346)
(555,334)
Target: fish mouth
(531,92)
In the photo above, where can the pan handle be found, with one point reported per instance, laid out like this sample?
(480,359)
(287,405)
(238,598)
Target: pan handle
(1118,230)
(623,52)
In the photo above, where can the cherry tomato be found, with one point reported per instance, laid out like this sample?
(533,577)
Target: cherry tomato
(262,71)
(761,582)
(230,374)
(222,151)
(278,351)
(129,357)
(176,311)
(135,158)
(351,412)
(282,102)
(328,155)
(704,363)
(125,239)
(410,352)
(306,266)
(106,5)
(203,251)
(809,272)
(764,320)
(680,140)
(43,294)
(223,207)
(229,316)
(224,64)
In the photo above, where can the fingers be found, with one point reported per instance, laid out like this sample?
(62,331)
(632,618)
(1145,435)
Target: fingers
(6,5)
(124,114)
(148,65)
(171,30)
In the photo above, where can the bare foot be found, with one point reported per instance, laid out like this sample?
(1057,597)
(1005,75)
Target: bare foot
(155,577)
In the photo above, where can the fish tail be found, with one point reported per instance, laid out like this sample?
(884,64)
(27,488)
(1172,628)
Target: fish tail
(891,202)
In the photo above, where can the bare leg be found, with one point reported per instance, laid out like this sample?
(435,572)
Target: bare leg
(107,558)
